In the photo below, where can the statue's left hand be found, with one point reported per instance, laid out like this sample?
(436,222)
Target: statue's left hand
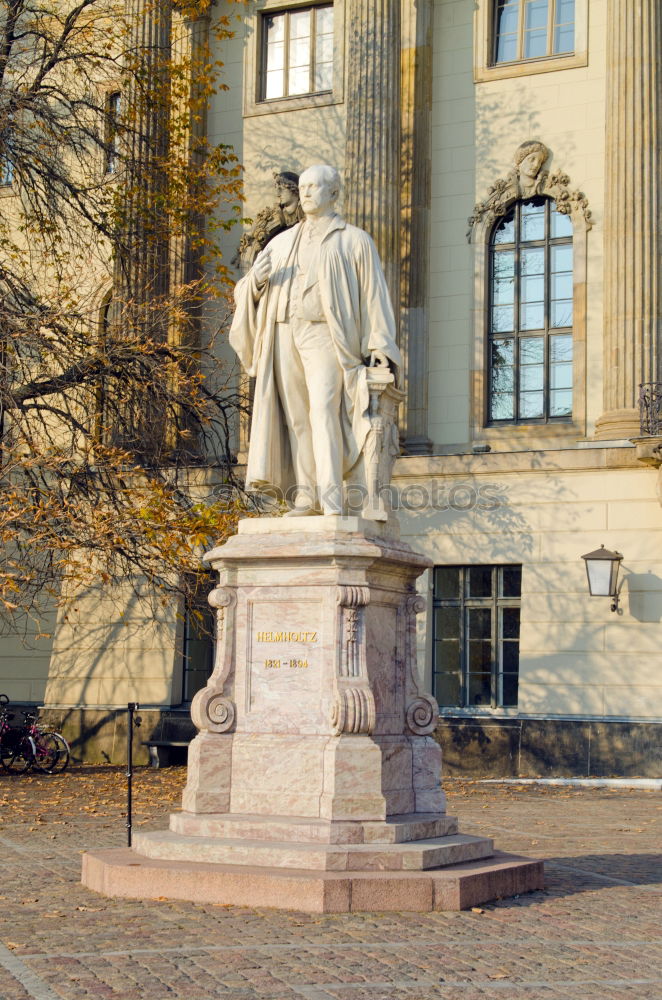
(378,360)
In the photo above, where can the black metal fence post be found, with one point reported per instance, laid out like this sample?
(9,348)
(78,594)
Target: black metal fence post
(131,707)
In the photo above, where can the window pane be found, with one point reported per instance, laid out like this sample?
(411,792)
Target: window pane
(560,348)
(562,285)
(503,406)
(532,261)
(447,655)
(510,655)
(535,44)
(324,21)
(480,620)
(531,378)
(561,258)
(447,582)
(480,689)
(564,38)
(506,48)
(531,404)
(503,352)
(299,52)
(323,76)
(274,85)
(561,225)
(480,657)
(561,314)
(560,403)
(503,265)
(503,379)
(536,14)
(511,581)
(509,690)
(503,276)
(533,288)
(480,581)
(275,56)
(507,19)
(324,49)
(503,319)
(447,689)
(299,80)
(533,221)
(531,350)
(274,28)
(299,24)
(560,376)
(510,623)
(565,11)
(505,231)
(447,623)
(532,316)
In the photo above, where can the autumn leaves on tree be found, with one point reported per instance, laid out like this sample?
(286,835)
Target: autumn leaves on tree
(116,412)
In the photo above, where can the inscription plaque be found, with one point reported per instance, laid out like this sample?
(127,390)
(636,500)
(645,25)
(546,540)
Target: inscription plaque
(285,657)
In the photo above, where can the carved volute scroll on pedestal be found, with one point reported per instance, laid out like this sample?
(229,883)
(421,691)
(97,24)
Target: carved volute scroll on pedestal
(211,710)
(528,180)
(422,710)
(354,708)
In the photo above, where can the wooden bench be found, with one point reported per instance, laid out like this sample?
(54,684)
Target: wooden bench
(160,750)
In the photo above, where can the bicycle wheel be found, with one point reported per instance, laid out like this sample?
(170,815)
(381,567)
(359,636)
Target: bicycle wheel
(47,753)
(60,749)
(18,757)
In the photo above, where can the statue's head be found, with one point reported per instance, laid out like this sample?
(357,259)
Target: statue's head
(319,187)
(287,187)
(530,157)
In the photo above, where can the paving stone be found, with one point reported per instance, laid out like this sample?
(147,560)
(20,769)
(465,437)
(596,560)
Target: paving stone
(593,933)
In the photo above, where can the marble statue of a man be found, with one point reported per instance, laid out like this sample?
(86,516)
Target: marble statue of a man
(311,315)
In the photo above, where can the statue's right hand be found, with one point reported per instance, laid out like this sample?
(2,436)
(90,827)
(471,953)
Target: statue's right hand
(262,268)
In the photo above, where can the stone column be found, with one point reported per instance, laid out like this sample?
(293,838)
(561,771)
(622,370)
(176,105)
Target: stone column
(372,154)
(142,274)
(632,212)
(416,90)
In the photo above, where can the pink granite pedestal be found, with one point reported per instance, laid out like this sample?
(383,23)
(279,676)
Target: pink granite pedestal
(314,782)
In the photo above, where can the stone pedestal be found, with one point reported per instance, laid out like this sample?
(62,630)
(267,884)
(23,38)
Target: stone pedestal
(314,782)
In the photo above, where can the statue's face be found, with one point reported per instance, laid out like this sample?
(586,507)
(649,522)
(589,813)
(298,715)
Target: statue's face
(286,196)
(315,193)
(531,164)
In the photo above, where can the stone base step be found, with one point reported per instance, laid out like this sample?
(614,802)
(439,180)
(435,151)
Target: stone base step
(393,830)
(410,856)
(123,872)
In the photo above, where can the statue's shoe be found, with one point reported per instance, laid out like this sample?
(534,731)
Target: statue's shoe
(303,512)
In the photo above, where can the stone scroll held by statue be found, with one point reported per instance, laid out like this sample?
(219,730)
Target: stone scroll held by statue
(315,327)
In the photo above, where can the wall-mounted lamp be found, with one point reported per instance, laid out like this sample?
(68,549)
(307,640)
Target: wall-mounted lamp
(602,571)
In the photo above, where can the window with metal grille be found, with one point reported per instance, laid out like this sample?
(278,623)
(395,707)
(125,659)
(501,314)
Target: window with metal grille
(297,52)
(533,29)
(530,315)
(476,635)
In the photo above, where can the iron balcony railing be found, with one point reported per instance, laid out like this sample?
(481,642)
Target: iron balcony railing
(650,405)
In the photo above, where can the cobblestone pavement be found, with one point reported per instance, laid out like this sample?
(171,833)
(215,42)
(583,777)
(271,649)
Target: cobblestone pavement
(593,932)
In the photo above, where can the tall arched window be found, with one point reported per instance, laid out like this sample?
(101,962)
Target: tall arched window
(530,315)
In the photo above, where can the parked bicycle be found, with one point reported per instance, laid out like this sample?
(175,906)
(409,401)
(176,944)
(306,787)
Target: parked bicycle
(28,745)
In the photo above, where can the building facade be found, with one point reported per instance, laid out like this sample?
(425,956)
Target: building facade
(504,156)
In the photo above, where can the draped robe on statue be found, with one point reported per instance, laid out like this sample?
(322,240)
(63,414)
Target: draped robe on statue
(343,286)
